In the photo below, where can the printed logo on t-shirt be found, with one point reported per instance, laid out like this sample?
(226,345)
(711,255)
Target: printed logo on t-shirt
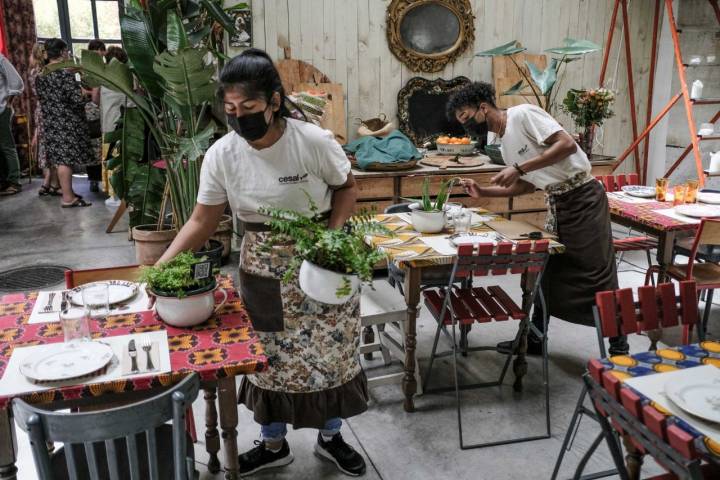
(290,179)
(523,150)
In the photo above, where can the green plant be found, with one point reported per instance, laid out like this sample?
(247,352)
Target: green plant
(174,277)
(542,83)
(589,107)
(339,250)
(426,203)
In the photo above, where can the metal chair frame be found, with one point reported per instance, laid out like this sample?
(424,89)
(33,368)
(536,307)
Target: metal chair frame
(481,260)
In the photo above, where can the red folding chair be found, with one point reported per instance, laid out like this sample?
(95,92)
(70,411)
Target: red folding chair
(465,305)
(618,313)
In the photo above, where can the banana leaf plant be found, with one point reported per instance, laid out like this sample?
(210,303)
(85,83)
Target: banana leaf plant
(544,84)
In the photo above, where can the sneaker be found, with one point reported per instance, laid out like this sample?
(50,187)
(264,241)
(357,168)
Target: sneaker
(341,454)
(261,458)
(534,347)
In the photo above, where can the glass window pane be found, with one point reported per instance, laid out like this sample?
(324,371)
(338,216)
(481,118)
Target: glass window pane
(108,19)
(81,23)
(47,20)
(77,48)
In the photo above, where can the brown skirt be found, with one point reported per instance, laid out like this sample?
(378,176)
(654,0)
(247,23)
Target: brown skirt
(305,410)
(588,264)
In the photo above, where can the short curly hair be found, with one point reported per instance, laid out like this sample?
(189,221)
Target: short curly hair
(471,95)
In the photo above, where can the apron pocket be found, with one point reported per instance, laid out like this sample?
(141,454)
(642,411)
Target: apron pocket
(263,301)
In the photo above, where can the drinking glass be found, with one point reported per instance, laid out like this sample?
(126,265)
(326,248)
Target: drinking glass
(679,194)
(96,299)
(692,190)
(462,220)
(661,185)
(75,325)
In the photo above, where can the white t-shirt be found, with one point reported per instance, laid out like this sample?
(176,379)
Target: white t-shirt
(305,159)
(527,128)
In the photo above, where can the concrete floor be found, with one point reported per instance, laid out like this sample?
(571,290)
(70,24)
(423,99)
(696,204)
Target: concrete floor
(396,445)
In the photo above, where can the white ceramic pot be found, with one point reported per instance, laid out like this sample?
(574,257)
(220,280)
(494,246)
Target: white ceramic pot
(427,222)
(321,285)
(188,311)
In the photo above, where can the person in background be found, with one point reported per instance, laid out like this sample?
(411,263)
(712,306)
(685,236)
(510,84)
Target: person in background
(67,140)
(313,378)
(540,154)
(51,183)
(11,85)
(93,114)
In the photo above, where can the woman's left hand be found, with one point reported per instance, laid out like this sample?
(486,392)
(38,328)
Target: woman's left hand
(506,177)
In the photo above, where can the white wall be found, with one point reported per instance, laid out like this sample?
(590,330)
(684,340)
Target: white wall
(346,40)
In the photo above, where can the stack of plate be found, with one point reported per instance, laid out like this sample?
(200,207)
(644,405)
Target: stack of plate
(640,191)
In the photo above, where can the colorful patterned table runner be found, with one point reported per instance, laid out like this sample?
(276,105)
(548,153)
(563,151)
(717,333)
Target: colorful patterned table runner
(645,214)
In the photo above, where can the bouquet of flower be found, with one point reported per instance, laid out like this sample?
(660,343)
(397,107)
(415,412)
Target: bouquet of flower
(589,107)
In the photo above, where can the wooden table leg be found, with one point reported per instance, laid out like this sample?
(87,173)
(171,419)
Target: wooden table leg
(227,396)
(212,438)
(520,366)
(412,299)
(633,459)
(8,446)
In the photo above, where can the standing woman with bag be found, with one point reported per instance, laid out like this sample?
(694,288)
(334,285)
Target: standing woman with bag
(313,378)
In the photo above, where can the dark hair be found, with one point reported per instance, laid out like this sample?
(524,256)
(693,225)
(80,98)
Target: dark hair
(96,45)
(254,72)
(471,95)
(54,48)
(116,52)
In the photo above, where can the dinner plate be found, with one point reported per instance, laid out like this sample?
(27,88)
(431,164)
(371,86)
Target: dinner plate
(709,197)
(639,191)
(62,361)
(698,211)
(118,291)
(474,238)
(696,396)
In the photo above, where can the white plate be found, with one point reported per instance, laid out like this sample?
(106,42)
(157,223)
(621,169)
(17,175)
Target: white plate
(697,397)
(639,191)
(698,211)
(474,238)
(62,361)
(709,197)
(118,291)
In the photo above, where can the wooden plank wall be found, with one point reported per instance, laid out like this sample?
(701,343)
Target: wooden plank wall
(346,40)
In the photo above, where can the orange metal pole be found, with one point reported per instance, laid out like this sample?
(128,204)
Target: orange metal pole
(608,43)
(715,7)
(686,95)
(651,84)
(687,150)
(631,82)
(645,132)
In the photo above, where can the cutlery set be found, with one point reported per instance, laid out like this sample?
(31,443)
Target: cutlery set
(147,346)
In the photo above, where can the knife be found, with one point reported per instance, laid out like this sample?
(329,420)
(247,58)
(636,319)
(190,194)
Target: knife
(133,356)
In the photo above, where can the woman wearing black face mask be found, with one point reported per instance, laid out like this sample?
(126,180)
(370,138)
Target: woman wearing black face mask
(543,156)
(313,378)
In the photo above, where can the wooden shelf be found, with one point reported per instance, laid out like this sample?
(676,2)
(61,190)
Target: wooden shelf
(705,101)
(708,137)
(708,174)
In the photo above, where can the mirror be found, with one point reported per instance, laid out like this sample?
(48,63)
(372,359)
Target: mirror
(426,35)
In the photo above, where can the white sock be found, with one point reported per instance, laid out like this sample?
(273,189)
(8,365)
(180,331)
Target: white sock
(326,438)
(274,450)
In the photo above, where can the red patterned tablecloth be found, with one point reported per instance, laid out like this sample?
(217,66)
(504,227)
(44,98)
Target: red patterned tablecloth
(645,213)
(225,345)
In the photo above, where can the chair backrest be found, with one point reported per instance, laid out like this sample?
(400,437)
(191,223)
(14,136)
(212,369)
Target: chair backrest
(617,312)
(95,430)
(74,278)
(488,259)
(708,234)
(613,183)
(397,208)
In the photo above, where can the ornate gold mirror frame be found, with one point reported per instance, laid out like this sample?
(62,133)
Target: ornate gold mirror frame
(429,62)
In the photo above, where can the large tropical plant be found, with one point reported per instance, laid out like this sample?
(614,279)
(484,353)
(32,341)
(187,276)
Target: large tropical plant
(544,84)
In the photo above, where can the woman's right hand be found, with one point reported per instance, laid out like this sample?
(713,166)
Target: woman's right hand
(470,187)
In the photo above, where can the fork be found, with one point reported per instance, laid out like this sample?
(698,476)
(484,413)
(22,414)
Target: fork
(49,305)
(147,348)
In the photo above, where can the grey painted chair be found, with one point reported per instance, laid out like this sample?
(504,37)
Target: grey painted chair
(128,442)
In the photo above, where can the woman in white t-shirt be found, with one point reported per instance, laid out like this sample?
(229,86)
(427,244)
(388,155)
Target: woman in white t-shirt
(313,378)
(542,155)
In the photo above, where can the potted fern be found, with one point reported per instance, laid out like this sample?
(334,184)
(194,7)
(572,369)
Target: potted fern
(428,216)
(331,264)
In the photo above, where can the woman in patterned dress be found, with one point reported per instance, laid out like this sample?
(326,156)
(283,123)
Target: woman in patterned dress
(65,130)
(313,379)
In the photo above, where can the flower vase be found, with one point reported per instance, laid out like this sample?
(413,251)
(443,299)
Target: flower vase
(585,140)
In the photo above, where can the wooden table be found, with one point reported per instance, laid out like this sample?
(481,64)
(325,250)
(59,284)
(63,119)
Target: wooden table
(218,350)
(433,262)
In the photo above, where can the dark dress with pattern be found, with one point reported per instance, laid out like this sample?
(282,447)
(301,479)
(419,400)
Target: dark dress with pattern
(65,130)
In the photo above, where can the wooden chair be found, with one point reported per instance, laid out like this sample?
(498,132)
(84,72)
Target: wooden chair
(132,441)
(618,313)
(75,278)
(705,275)
(465,305)
(614,183)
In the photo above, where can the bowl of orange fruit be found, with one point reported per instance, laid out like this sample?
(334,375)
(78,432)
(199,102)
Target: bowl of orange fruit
(454,145)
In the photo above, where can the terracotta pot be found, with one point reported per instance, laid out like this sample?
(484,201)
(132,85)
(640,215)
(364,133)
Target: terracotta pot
(223,234)
(150,243)
(585,140)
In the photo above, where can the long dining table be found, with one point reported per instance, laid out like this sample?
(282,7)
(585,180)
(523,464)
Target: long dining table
(219,350)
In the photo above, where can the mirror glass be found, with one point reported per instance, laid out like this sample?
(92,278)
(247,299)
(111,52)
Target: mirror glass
(430,28)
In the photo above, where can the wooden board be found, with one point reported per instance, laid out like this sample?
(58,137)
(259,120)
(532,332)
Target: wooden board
(294,72)
(453,161)
(334,117)
(505,75)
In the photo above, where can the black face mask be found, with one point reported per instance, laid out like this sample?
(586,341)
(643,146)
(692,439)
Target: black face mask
(251,126)
(474,128)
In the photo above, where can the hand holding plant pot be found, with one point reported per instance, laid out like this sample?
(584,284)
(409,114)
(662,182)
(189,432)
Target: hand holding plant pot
(587,109)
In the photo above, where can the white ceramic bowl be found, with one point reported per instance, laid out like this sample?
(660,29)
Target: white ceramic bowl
(187,311)
(321,284)
(427,222)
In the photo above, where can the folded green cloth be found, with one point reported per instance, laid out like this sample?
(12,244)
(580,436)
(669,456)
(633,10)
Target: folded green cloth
(394,148)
